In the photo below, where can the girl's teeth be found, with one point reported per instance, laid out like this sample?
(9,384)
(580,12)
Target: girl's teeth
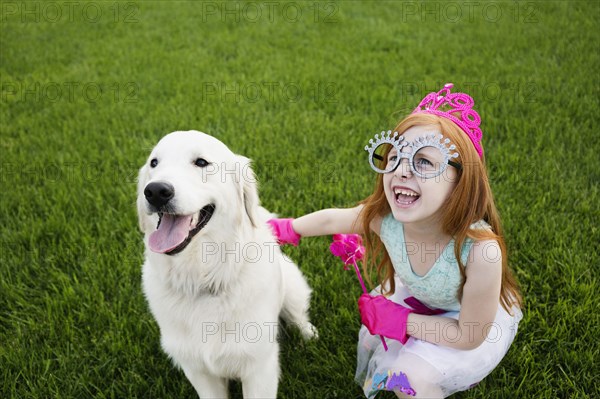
(406,192)
(405,197)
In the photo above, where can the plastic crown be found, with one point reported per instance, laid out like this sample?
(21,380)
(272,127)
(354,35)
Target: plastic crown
(445,104)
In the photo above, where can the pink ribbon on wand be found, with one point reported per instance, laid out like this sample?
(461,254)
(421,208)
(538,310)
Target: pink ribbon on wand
(349,248)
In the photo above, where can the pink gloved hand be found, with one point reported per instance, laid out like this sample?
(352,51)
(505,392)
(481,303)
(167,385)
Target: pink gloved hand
(384,317)
(283,230)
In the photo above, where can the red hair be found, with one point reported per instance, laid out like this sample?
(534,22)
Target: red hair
(470,201)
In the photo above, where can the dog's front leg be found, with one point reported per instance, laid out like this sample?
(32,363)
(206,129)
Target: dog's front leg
(206,385)
(262,380)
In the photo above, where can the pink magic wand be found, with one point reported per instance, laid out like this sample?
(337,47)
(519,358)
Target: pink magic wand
(349,248)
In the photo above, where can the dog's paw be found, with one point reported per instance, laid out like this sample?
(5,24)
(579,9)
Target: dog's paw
(309,331)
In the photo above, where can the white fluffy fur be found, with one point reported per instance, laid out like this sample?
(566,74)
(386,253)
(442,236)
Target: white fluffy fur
(218,302)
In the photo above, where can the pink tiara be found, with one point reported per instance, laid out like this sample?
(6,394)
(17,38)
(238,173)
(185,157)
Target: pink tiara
(460,103)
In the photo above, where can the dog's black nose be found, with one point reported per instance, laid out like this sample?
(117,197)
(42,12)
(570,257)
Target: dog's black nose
(159,193)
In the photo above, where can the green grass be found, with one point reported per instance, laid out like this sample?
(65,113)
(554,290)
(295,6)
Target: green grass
(302,95)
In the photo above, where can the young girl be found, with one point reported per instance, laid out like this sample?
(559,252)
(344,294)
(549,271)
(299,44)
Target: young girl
(448,304)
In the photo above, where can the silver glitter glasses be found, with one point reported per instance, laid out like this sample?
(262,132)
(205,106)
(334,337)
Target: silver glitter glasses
(429,155)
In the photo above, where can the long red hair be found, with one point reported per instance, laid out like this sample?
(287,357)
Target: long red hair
(470,201)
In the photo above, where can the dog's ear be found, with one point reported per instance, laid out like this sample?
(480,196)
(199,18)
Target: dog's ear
(249,189)
(140,202)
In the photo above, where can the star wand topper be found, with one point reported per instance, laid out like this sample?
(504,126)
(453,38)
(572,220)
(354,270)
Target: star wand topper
(349,248)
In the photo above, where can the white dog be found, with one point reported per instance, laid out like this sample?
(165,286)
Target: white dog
(214,276)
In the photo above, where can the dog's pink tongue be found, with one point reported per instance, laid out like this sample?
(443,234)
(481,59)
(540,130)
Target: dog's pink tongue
(173,230)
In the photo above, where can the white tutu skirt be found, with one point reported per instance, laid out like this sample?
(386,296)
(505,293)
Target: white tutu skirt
(432,370)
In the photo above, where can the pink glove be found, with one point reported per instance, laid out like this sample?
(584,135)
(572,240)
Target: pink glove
(283,230)
(384,317)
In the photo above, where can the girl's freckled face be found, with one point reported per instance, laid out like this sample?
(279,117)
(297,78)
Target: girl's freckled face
(414,198)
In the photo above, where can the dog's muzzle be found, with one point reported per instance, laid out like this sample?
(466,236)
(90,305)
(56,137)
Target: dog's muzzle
(174,231)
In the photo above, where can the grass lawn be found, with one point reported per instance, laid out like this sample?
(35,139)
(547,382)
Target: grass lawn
(87,88)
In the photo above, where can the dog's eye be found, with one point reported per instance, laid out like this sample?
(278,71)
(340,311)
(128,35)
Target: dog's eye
(201,162)
(153,163)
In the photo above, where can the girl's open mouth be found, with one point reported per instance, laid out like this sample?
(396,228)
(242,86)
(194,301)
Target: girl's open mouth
(405,196)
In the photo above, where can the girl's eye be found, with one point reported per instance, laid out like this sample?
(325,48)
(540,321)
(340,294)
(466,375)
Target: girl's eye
(201,162)
(153,163)
(423,162)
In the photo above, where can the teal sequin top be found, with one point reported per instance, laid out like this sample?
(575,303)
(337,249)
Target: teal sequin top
(439,287)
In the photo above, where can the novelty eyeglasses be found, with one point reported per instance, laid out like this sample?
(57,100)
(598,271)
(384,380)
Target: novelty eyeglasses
(429,155)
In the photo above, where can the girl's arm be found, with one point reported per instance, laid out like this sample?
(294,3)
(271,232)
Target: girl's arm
(334,221)
(319,223)
(481,296)
(329,221)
